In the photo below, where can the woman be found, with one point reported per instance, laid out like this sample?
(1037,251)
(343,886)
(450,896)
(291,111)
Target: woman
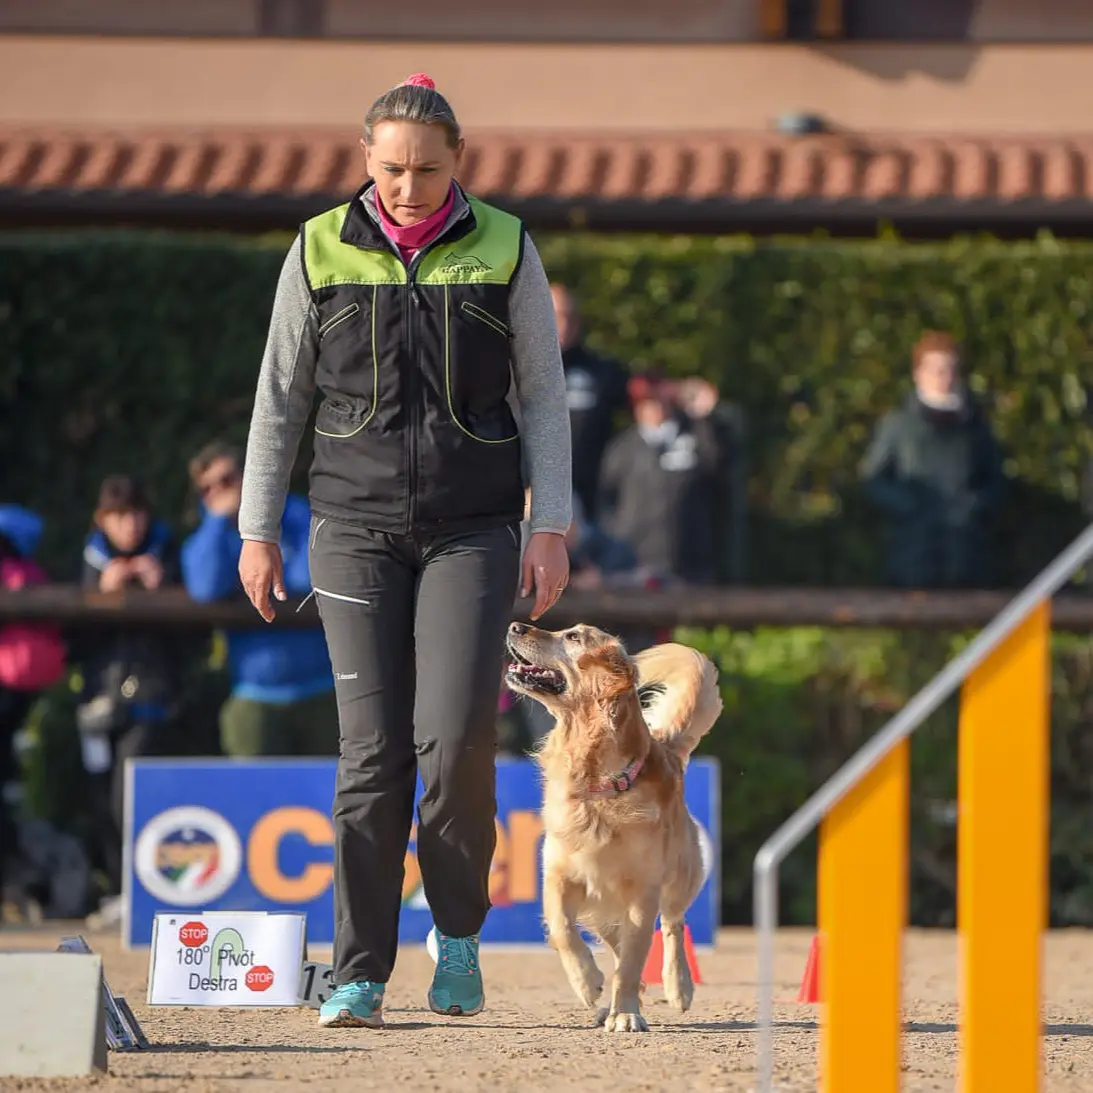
(935,469)
(411,308)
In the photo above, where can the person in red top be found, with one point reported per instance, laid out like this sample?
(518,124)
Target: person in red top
(32,658)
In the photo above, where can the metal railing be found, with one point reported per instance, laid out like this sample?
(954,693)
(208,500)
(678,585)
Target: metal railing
(808,816)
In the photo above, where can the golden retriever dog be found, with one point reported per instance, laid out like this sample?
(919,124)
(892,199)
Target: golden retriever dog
(619,845)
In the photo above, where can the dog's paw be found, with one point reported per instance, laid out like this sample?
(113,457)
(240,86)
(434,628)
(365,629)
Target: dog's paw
(589,985)
(679,988)
(584,976)
(601,1017)
(625,1022)
(680,995)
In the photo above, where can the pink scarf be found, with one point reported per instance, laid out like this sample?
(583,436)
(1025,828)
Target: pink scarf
(410,238)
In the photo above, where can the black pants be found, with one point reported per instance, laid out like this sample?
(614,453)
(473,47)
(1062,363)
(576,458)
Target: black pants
(416,631)
(106,792)
(14,707)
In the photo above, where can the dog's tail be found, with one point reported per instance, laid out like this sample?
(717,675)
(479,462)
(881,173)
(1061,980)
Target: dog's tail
(679,694)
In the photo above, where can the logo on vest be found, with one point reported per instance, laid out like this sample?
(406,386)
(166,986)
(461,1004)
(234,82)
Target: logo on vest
(464,263)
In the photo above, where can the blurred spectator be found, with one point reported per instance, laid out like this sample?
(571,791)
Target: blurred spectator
(660,483)
(132,678)
(700,399)
(596,393)
(596,558)
(935,469)
(32,658)
(282,700)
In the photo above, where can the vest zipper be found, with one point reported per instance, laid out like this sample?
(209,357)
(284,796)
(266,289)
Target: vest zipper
(412,377)
(410,385)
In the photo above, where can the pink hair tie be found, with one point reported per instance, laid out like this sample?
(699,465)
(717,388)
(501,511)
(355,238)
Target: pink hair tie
(419,79)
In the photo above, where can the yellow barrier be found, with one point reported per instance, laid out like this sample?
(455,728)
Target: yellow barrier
(1002,894)
(862,904)
(1002,860)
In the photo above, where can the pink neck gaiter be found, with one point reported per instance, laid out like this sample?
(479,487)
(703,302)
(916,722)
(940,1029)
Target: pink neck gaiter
(410,238)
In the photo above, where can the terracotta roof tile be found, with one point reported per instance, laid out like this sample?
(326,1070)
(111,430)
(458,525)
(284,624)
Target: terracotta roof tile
(734,169)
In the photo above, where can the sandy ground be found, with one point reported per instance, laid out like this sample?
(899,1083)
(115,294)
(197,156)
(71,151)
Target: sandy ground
(534,1037)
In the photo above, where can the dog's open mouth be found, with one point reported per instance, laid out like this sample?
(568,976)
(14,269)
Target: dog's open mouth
(524,675)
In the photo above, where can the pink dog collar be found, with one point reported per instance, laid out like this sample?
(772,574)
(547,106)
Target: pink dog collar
(614,784)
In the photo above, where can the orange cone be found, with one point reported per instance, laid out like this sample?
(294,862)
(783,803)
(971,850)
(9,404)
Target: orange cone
(810,981)
(654,962)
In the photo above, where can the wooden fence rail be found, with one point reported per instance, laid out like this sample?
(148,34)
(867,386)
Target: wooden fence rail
(742,608)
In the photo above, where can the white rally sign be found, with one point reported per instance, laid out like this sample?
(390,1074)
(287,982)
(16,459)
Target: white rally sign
(226,958)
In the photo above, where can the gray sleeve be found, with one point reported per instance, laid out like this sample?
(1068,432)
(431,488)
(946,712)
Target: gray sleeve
(541,396)
(282,402)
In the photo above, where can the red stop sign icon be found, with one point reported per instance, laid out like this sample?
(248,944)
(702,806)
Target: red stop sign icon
(193,934)
(260,978)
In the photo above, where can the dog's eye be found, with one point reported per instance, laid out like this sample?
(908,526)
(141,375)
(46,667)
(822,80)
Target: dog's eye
(572,635)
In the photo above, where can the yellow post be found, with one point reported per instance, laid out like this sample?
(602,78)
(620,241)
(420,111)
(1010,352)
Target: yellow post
(1002,860)
(862,915)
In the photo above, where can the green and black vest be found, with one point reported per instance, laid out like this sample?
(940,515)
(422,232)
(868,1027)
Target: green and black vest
(414,432)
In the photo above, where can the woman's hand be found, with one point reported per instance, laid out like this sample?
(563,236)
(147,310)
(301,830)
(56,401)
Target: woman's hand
(259,570)
(545,569)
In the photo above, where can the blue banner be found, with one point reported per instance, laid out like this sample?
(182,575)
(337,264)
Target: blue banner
(256,835)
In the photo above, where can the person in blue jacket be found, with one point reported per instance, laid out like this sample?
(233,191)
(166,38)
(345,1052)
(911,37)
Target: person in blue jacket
(282,698)
(132,679)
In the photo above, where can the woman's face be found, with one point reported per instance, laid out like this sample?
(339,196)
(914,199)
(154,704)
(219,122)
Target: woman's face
(938,374)
(413,166)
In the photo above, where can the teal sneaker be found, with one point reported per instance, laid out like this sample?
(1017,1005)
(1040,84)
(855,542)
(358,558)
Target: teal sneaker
(353,1005)
(457,982)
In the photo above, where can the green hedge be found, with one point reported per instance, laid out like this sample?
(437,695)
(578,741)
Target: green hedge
(812,340)
(122,353)
(130,350)
(800,702)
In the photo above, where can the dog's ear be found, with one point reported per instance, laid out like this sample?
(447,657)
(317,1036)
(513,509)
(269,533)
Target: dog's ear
(612,672)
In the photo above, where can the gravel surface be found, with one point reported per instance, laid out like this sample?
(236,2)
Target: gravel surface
(533,1035)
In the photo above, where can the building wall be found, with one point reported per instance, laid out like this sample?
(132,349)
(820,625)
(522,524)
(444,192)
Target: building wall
(635,88)
(572,20)
(561,20)
(131,16)
(589,20)
(969,20)
(1032,20)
